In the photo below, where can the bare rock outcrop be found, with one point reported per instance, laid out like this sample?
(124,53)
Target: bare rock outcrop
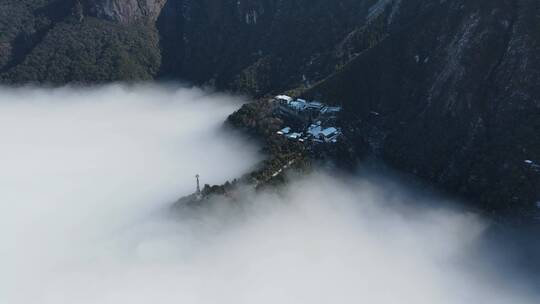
(126,11)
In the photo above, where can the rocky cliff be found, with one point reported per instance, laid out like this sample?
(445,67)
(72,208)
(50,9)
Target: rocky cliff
(447,90)
(267,45)
(124,11)
(457,97)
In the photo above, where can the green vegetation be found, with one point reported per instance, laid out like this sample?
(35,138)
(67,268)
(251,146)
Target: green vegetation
(49,41)
(257,78)
(91,51)
(19,21)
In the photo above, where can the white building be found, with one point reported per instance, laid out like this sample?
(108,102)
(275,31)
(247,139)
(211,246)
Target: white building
(295,136)
(315,130)
(284,131)
(328,110)
(330,134)
(284,99)
(314,105)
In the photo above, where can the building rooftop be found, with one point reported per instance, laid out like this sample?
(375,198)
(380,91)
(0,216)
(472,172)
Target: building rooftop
(284,131)
(330,110)
(329,131)
(302,105)
(315,130)
(297,105)
(295,135)
(284,97)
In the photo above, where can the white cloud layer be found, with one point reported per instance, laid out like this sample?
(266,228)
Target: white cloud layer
(87,176)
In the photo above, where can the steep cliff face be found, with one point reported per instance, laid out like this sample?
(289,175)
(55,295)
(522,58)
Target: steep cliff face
(457,98)
(125,11)
(259,46)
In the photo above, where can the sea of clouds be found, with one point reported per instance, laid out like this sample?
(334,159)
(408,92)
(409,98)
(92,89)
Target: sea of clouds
(87,177)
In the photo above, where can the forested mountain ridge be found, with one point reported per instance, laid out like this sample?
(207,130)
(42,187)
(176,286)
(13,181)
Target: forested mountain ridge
(448,90)
(252,46)
(458,100)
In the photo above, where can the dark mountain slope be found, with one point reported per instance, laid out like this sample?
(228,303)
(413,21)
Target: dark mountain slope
(22,24)
(90,51)
(260,46)
(448,90)
(458,97)
(255,46)
(60,41)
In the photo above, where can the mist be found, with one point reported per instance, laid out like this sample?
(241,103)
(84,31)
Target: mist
(88,177)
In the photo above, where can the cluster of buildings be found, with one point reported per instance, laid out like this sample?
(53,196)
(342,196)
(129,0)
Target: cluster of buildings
(315,120)
(305,111)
